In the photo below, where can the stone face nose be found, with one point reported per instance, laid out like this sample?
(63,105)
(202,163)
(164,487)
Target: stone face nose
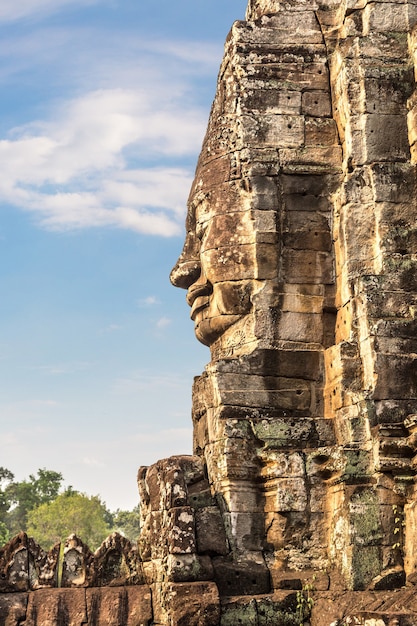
(187,268)
(185,272)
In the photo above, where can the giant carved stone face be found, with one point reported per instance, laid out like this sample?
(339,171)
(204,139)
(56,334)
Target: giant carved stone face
(230,251)
(217,264)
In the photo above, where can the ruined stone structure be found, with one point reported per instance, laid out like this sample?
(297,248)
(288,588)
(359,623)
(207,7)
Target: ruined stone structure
(300,268)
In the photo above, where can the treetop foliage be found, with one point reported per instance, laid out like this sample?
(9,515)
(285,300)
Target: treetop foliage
(40,507)
(69,513)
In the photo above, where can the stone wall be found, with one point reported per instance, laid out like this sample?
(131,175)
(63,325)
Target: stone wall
(300,269)
(71,585)
(299,263)
(371,369)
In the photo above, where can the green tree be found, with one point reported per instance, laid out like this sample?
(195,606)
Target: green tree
(127,523)
(24,496)
(4,534)
(46,485)
(6,478)
(70,512)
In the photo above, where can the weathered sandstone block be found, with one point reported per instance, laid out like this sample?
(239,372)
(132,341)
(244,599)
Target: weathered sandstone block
(311,333)
(300,269)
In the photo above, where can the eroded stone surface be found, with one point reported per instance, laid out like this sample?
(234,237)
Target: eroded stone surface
(300,265)
(258,263)
(299,233)
(127,606)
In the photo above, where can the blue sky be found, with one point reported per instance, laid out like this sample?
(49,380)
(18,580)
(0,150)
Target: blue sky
(104,106)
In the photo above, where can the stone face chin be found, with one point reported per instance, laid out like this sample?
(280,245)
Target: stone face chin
(224,305)
(209,330)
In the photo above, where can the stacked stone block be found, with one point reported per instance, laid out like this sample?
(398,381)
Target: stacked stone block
(268,180)
(71,585)
(370,377)
(300,269)
(308,162)
(181,534)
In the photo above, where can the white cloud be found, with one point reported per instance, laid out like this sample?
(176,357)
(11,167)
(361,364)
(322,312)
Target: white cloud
(166,435)
(52,403)
(192,52)
(163,322)
(76,170)
(111,328)
(81,58)
(118,487)
(120,153)
(32,411)
(11,10)
(92,462)
(148,301)
(63,368)
(141,445)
